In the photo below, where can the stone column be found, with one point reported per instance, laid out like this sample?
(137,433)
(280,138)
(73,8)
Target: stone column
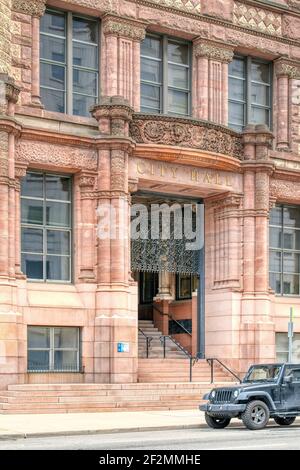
(10,319)
(286,70)
(116,314)
(86,182)
(20,172)
(210,92)
(121,57)
(34,8)
(227,231)
(257,343)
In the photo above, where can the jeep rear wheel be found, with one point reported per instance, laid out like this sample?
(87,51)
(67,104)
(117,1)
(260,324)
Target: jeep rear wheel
(285,421)
(215,422)
(256,415)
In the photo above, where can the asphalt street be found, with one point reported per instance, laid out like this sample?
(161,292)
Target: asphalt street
(234,437)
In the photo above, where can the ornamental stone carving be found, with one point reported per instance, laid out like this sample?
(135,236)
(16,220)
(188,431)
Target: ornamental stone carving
(124,27)
(56,155)
(259,19)
(185,133)
(287,68)
(29,7)
(286,191)
(213,50)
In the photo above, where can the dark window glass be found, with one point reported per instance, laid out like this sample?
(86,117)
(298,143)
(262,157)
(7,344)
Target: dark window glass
(46,227)
(183,286)
(80,92)
(165,76)
(53,349)
(249,77)
(284,242)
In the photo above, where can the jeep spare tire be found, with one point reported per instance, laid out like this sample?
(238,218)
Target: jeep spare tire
(281,421)
(216,422)
(256,415)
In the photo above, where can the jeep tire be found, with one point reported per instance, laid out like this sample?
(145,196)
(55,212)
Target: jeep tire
(256,415)
(281,421)
(216,422)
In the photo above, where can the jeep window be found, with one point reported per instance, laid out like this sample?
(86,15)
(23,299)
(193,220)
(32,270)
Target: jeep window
(263,374)
(294,372)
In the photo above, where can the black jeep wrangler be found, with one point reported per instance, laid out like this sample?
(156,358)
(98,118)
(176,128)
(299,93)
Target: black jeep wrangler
(267,391)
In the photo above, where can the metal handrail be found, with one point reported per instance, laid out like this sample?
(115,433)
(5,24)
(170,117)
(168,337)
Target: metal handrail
(211,361)
(192,359)
(173,319)
(148,341)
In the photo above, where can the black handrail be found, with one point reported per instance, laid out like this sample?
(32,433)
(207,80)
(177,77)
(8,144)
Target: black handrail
(192,359)
(148,342)
(173,319)
(211,361)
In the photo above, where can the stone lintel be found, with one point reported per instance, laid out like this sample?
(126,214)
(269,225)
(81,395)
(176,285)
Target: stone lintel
(124,27)
(214,50)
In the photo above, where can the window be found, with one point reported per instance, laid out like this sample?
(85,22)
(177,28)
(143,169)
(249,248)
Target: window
(69,63)
(183,286)
(46,227)
(284,242)
(282,347)
(165,76)
(249,90)
(53,349)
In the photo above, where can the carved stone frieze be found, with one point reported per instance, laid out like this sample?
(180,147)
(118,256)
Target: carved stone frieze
(213,50)
(56,155)
(124,27)
(282,190)
(259,19)
(29,7)
(185,133)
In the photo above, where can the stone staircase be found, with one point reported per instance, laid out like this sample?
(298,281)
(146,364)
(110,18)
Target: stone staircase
(156,348)
(176,366)
(72,398)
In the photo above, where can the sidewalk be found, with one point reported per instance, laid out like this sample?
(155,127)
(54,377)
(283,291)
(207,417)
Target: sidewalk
(18,426)
(42,425)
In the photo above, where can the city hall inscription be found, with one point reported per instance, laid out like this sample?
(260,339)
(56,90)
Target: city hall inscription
(146,169)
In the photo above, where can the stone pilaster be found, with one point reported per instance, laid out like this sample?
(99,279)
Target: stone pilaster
(210,92)
(86,182)
(116,297)
(227,241)
(285,70)
(257,327)
(121,58)
(35,9)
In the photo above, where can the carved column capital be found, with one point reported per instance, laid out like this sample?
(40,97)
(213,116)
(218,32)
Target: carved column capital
(133,185)
(259,137)
(113,114)
(9,94)
(287,68)
(213,50)
(30,7)
(123,27)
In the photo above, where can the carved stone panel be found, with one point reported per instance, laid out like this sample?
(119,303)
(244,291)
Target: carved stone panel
(185,133)
(56,155)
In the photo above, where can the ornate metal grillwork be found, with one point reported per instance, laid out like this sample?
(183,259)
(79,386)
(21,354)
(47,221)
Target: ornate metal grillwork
(160,254)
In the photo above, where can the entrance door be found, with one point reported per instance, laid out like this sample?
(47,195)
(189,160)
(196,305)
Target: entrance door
(148,287)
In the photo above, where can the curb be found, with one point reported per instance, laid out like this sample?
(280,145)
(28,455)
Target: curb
(5,437)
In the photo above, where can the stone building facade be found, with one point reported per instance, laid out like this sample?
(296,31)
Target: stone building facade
(103,102)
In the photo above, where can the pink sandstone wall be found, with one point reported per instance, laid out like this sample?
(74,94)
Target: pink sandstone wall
(103,298)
